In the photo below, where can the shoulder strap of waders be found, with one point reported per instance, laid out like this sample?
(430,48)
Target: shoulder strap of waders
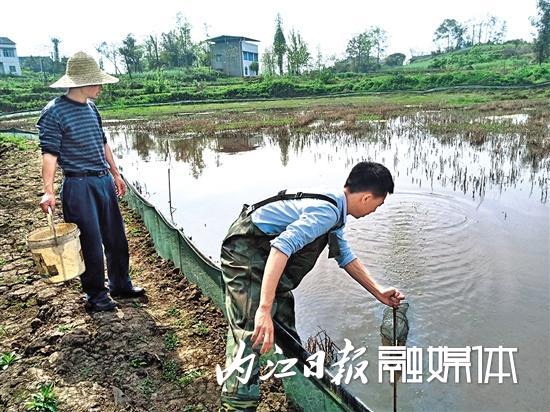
(282,195)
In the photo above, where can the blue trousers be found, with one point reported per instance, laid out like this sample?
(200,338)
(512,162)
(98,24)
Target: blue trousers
(91,203)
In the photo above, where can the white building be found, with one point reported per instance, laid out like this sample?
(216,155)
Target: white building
(233,55)
(9,62)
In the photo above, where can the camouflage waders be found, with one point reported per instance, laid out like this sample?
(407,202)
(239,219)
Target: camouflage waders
(243,257)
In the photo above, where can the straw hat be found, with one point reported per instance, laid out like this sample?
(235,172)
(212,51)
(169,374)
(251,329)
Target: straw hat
(82,70)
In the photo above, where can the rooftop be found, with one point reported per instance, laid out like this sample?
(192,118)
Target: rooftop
(5,40)
(226,38)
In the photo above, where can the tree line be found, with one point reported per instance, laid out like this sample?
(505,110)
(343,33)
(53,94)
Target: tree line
(290,54)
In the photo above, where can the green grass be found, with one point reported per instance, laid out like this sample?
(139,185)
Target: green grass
(189,377)
(201,329)
(170,370)
(491,65)
(18,143)
(137,363)
(173,312)
(147,387)
(45,400)
(171,341)
(7,359)
(65,328)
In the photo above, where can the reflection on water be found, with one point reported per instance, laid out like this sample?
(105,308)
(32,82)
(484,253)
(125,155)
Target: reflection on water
(466,235)
(500,162)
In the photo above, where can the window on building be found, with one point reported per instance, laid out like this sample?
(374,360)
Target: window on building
(13,70)
(246,70)
(250,57)
(1,68)
(218,58)
(8,52)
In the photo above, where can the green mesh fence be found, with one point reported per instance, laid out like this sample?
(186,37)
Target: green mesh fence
(311,394)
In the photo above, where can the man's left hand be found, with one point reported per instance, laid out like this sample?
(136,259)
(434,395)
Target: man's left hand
(120,186)
(391,297)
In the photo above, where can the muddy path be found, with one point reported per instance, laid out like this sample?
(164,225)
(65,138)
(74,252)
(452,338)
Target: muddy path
(154,354)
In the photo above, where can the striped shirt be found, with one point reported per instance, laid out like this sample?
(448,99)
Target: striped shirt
(72,131)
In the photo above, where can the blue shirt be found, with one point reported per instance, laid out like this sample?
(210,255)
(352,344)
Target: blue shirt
(299,222)
(72,131)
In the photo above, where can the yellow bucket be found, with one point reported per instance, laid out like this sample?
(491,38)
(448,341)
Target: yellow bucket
(57,252)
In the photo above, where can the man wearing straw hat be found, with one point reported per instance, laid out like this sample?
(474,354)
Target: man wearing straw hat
(71,135)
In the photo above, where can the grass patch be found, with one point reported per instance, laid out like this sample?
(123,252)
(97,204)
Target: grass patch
(65,328)
(16,142)
(170,370)
(201,329)
(7,359)
(188,377)
(138,363)
(171,341)
(147,387)
(173,312)
(45,400)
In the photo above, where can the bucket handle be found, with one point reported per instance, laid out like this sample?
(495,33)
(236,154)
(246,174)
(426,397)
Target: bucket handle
(52,225)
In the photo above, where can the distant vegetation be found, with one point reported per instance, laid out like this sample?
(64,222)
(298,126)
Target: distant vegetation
(171,67)
(508,64)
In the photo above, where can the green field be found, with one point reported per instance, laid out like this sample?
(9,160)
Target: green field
(507,65)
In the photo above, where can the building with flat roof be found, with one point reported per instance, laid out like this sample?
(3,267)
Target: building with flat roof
(233,55)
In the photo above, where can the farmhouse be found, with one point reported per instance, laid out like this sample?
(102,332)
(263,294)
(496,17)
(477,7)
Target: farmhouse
(234,55)
(9,62)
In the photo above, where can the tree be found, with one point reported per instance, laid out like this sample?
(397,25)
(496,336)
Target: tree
(55,54)
(358,51)
(110,52)
(319,59)
(177,48)
(542,24)
(450,31)
(395,59)
(298,54)
(269,64)
(152,52)
(279,43)
(379,39)
(131,53)
(254,68)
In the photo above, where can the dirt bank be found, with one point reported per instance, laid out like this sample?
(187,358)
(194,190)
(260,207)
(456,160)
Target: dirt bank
(155,354)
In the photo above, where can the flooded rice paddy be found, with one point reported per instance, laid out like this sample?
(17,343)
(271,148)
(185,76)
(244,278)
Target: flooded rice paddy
(465,236)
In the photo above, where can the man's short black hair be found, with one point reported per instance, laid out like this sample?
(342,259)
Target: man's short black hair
(370,177)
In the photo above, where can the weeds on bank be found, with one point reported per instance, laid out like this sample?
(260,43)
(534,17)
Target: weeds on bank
(45,400)
(147,387)
(16,142)
(65,328)
(170,372)
(7,359)
(201,329)
(189,377)
(171,341)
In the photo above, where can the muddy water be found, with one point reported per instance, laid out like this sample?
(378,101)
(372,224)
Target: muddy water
(465,236)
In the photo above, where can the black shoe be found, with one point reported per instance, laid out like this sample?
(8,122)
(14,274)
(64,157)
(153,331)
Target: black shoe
(106,305)
(135,292)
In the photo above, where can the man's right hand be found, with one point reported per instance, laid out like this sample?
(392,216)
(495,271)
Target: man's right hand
(48,200)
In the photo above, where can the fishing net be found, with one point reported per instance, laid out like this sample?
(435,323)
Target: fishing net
(401,328)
